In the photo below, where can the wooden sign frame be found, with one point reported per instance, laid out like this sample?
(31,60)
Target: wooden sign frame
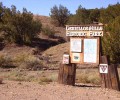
(82,55)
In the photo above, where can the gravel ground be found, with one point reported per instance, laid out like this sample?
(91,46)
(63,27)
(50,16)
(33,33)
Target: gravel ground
(13,90)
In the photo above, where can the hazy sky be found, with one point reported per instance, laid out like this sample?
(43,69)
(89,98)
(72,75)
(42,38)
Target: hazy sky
(42,7)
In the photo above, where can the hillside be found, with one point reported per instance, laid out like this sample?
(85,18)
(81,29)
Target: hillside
(46,21)
(41,47)
(57,52)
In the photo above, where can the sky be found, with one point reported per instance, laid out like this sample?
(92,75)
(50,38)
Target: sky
(42,7)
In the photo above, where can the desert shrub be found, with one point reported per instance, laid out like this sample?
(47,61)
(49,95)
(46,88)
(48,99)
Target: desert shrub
(20,58)
(6,61)
(18,27)
(48,31)
(31,63)
(111,40)
(59,15)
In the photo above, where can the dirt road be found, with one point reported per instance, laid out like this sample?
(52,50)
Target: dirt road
(12,90)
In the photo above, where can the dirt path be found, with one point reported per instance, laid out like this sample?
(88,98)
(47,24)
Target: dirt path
(12,90)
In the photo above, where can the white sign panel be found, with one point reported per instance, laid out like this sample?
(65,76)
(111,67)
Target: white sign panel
(75,45)
(103,68)
(76,57)
(90,50)
(65,59)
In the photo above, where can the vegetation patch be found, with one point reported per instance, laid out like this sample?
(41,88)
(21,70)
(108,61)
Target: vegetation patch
(88,76)
(50,32)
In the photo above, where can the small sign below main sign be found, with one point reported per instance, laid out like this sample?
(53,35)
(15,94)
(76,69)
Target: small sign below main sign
(103,68)
(65,59)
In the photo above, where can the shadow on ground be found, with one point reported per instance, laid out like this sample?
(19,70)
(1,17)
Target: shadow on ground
(86,85)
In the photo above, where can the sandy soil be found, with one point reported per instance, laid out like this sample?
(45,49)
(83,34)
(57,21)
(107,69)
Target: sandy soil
(12,90)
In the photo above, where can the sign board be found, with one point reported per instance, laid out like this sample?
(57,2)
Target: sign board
(84,30)
(103,68)
(65,59)
(84,43)
(86,48)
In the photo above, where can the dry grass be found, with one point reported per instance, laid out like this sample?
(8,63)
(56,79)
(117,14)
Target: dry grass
(88,76)
(42,77)
(23,61)
(45,77)
(31,63)
(6,61)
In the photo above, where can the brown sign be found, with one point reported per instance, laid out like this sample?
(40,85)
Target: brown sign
(84,43)
(84,30)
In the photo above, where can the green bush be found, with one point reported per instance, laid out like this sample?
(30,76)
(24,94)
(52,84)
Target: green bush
(59,15)
(48,31)
(111,40)
(18,27)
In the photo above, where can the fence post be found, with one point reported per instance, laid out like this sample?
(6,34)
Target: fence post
(67,73)
(111,79)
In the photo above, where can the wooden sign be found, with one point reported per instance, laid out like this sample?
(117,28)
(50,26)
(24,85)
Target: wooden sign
(86,48)
(84,43)
(84,30)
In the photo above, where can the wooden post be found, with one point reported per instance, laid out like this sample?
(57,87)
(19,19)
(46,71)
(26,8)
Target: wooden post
(67,73)
(111,79)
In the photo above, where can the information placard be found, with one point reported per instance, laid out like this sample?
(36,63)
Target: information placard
(76,57)
(90,50)
(75,44)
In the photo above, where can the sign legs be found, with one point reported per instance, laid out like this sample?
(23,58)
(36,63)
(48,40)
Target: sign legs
(109,75)
(67,73)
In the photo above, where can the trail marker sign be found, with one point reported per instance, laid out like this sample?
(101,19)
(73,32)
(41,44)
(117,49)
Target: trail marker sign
(103,68)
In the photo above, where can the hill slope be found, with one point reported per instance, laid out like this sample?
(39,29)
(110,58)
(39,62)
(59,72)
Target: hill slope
(56,52)
(40,45)
(46,21)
